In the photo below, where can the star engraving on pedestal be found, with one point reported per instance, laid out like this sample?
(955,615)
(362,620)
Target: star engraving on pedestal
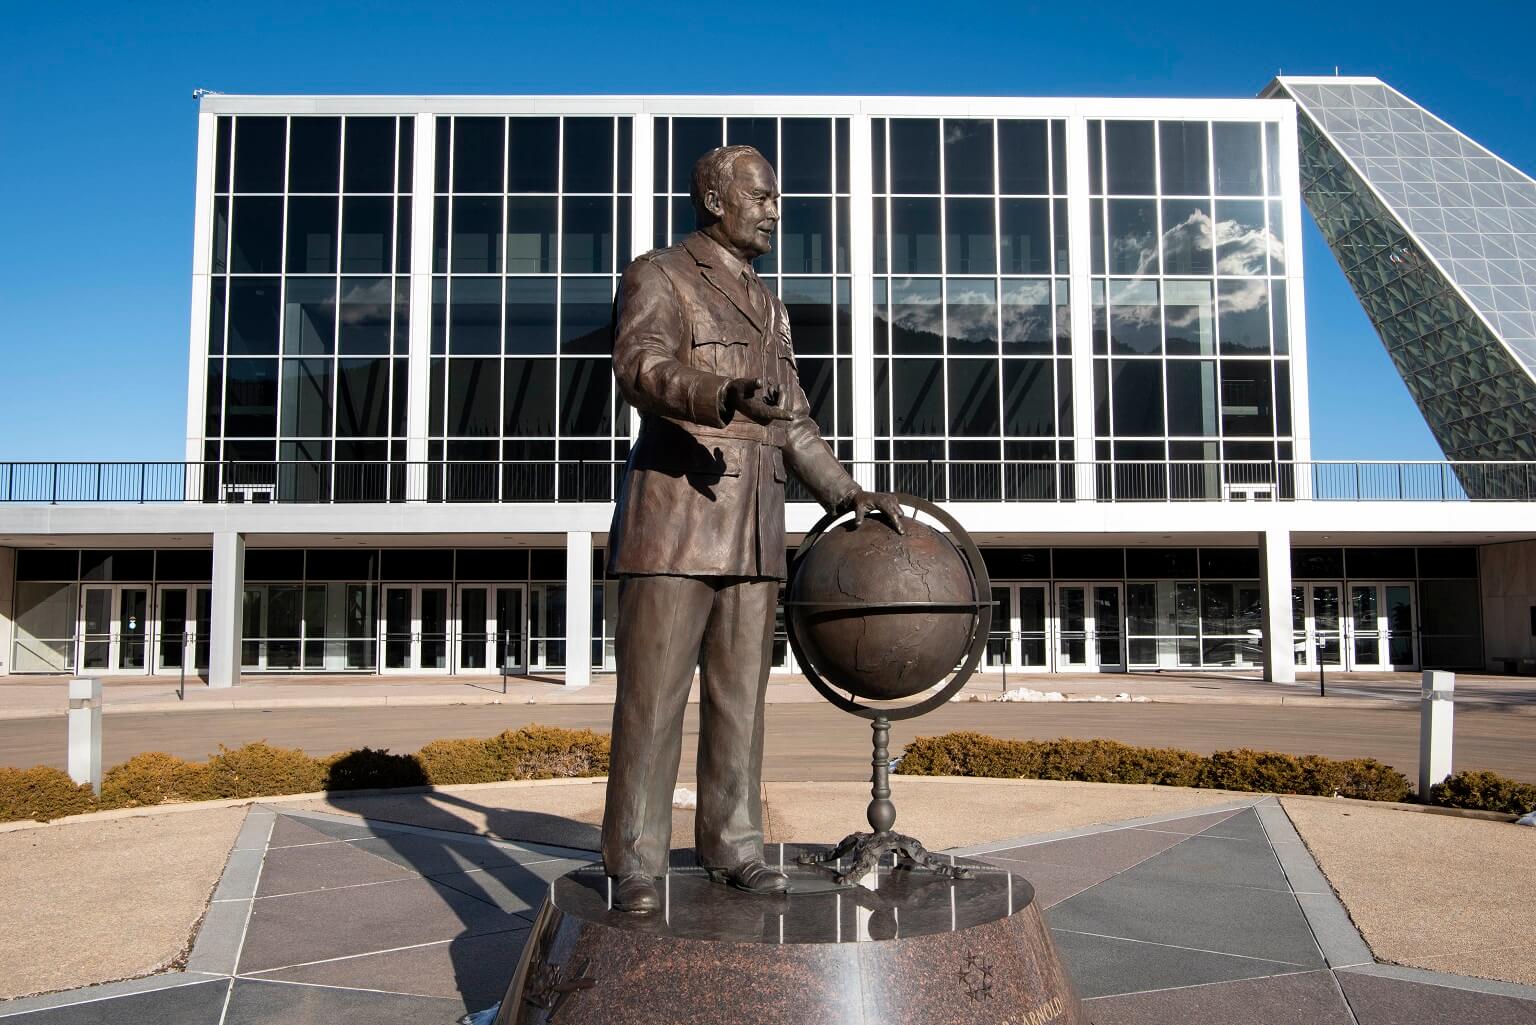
(548,985)
(975,975)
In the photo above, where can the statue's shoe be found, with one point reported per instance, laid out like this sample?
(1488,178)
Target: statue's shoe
(636,894)
(751,876)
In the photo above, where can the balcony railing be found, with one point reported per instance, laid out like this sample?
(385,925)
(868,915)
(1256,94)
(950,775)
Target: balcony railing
(56,483)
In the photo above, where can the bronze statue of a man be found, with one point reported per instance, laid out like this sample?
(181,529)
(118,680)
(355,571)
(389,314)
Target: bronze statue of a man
(702,352)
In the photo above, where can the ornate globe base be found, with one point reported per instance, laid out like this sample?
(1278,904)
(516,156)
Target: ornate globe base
(916,947)
(870,849)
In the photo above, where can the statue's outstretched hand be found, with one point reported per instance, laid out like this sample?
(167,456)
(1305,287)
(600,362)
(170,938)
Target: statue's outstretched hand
(756,398)
(862,502)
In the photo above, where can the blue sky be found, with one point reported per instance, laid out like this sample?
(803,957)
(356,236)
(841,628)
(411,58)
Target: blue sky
(96,170)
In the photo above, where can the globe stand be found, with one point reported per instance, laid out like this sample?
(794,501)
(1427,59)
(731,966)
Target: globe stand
(869,849)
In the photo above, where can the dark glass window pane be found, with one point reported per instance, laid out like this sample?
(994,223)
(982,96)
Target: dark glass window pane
(250,409)
(309,323)
(1242,317)
(366,310)
(476,235)
(397,414)
(625,159)
(443,152)
(877,153)
(253,316)
(973,409)
(407,152)
(972,316)
(586,315)
(587,242)
(213,399)
(1026,240)
(841,130)
(474,316)
(967,156)
(1272,163)
(915,236)
(1128,158)
(1282,397)
(661,151)
(972,241)
(314,154)
(1101,397)
(370,164)
(306,394)
(1063,317)
(882,397)
(1192,397)
(1021,157)
(586,396)
(1138,391)
(219,244)
(1242,244)
(1026,317)
(1189,314)
(1279,319)
(881,236)
(843,232)
(759,132)
(1239,164)
(1184,154)
(1059,157)
(403,235)
(260,151)
(1276,239)
(683,219)
(530,398)
(1096,234)
(882,317)
(530,235)
(439,316)
(216,316)
(362,398)
(1100,306)
(589,154)
(477,153)
(1059,214)
(1186,236)
(1135,321)
(222,141)
(440,235)
(474,397)
(531,316)
(311,234)
(1096,157)
(805,236)
(367,230)
(818,380)
(844,317)
(807,165)
(258,235)
(809,302)
(917,396)
(917,315)
(1029,407)
(1132,236)
(533,154)
(692,137)
(914,155)
(1245,400)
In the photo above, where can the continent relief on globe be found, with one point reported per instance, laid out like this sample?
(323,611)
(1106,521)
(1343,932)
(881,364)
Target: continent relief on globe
(872,651)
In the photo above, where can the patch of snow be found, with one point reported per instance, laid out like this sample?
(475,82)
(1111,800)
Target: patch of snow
(682,797)
(1026,694)
(1527,820)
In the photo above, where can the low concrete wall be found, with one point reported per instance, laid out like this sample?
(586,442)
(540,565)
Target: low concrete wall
(1508,573)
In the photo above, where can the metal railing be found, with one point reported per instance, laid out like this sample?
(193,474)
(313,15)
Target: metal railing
(340,482)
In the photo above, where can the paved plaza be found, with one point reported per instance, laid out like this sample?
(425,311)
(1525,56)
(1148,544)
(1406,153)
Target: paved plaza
(1211,912)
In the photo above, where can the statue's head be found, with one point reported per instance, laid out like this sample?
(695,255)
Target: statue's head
(736,199)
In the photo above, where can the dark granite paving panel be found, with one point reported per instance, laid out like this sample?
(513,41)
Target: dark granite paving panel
(1219,860)
(1245,825)
(309,830)
(514,888)
(1106,853)
(1145,903)
(322,867)
(1378,1001)
(1053,883)
(472,969)
(270,1003)
(1103,966)
(290,832)
(430,856)
(184,1005)
(309,927)
(1192,824)
(1311,998)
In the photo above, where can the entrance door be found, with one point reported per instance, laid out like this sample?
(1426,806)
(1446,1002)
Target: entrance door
(490,623)
(182,628)
(1317,620)
(1381,626)
(1089,628)
(512,628)
(1019,640)
(114,628)
(415,628)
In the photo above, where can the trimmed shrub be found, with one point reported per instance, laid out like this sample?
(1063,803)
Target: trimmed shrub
(368,769)
(41,793)
(458,761)
(1108,761)
(261,770)
(532,752)
(155,778)
(1486,791)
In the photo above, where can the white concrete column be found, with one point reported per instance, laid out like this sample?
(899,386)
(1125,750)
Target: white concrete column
(419,340)
(7,608)
(85,731)
(578,608)
(1079,259)
(1437,728)
(226,609)
(861,262)
(1275,567)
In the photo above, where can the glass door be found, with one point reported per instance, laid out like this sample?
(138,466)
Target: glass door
(1000,641)
(1107,627)
(1381,626)
(415,630)
(477,632)
(182,628)
(1089,628)
(1316,621)
(114,628)
(97,632)
(512,628)
(1019,640)
(432,627)
(399,629)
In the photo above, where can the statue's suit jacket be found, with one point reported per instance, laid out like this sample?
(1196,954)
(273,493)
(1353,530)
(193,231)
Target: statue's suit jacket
(704,495)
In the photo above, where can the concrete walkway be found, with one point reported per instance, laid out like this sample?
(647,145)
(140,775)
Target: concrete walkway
(1185,906)
(42,696)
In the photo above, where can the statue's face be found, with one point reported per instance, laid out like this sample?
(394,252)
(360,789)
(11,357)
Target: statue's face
(749,207)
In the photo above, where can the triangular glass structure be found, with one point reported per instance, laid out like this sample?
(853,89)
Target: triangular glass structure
(1437,236)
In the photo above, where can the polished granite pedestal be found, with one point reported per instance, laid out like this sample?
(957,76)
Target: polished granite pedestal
(907,947)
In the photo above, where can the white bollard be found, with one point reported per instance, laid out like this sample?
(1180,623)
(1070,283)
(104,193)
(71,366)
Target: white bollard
(1437,710)
(85,731)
